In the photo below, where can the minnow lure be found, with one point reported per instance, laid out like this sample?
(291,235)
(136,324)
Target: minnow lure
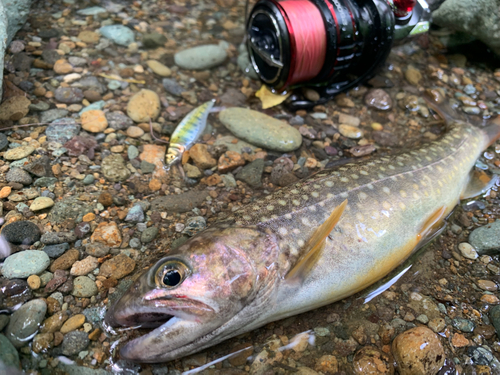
(187,132)
(303,246)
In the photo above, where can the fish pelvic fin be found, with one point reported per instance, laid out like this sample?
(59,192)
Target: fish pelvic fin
(315,245)
(479,183)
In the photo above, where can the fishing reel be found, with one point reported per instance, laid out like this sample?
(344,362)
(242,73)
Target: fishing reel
(331,45)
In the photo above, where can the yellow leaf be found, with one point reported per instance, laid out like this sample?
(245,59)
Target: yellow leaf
(269,99)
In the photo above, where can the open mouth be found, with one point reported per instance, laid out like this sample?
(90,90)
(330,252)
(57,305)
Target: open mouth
(148,319)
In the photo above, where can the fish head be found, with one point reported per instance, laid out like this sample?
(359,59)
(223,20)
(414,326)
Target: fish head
(172,157)
(190,294)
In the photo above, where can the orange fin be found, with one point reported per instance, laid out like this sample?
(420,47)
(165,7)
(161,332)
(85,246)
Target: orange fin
(315,244)
(433,224)
(479,183)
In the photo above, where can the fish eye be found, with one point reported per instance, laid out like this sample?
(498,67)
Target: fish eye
(171,274)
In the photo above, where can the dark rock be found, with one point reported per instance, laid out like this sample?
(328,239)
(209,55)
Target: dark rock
(118,120)
(282,166)
(97,249)
(14,292)
(91,83)
(40,167)
(172,86)
(21,233)
(45,182)
(54,251)
(147,167)
(80,145)
(22,62)
(252,173)
(153,40)
(18,175)
(60,277)
(48,33)
(486,239)
(385,139)
(50,56)
(184,202)
(74,342)
(3,141)
(69,208)
(25,322)
(53,114)
(82,229)
(92,95)
(233,97)
(52,238)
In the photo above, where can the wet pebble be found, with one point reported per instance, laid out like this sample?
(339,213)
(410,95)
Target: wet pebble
(34,282)
(149,234)
(25,321)
(378,99)
(252,173)
(107,234)
(54,251)
(68,95)
(4,320)
(144,106)
(97,249)
(201,157)
(83,286)
(135,214)
(261,130)
(114,169)
(463,325)
(41,203)
(117,267)
(8,355)
(119,34)
(42,342)
(487,285)
(65,261)
(25,263)
(371,361)
(350,131)
(194,225)
(84,267)
(413,75)
(73,323)
(418,350)
(74,342)
(158,68)
(486,239)
(54,238)
(201,57)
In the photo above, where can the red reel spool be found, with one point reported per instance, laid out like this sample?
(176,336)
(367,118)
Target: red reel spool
(403,7)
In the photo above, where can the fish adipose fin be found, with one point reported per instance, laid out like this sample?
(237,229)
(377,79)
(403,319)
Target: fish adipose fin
(315,244)
(479,183)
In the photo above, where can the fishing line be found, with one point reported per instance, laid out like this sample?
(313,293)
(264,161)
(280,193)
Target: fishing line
(308,39)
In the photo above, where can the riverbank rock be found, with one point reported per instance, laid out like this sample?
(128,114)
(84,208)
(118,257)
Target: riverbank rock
(261,130)
(486,239)
(201,57)
(25,263)
(465,16)
(25,322)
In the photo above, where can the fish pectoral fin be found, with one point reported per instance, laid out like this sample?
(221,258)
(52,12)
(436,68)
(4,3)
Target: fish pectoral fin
(431,227)
(315,244)
(479,183)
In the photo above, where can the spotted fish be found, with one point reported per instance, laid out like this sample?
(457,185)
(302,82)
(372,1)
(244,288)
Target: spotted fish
(301,247)
(187,132)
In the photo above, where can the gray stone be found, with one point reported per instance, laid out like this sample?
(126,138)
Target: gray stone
(463,325)
(194,225)
(118,120)
(119,34)
(90,83)
(135,214)
(55,238)
(21,233)
(97,105)
(239,147)
(135,243)
(172,86)
(252,173)
(228,180)
(25,322)
(68,95)
(132,152)
(201,57)
(97,249)
(3,141)
(70,208)
(45,181)
(114,169)
(486,239)
(77,61)
(83,286)
(40,107)
(4,320)
(466,15)
(147,167)
(19,175)
(246,66)
(53,114)
(55,251)
(62,130)
(89,179)
(92,11)
(260,129)
(25,263)
(50,56)
(8,354)
(495,318)
(74,342)
(153,40)
(149,234)
(179,202)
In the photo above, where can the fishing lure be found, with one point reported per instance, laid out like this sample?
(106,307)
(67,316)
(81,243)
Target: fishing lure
(187,132)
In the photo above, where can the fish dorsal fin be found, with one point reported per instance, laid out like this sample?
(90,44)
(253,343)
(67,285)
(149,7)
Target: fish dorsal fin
(432,225)
(479,183)
(315,244)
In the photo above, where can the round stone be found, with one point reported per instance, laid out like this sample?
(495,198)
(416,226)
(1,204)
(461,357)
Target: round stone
(74,342)
(25,263)
(119,34)
(158,68)
(25,321)
(18,175)
(83,286)
(201,57)
(34,282)
(94,121)
(21,233)
(135,132)
(144,106)
(467,250)
(350,131)
(41,203)
(378,99)
(418,351)
(14,108)
(73,323)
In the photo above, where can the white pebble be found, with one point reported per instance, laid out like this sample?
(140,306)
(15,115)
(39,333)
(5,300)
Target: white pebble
(467,250)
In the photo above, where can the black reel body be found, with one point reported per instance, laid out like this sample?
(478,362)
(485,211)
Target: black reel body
(359,37)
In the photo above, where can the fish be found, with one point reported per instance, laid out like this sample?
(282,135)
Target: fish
(187,132)
(304,246)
